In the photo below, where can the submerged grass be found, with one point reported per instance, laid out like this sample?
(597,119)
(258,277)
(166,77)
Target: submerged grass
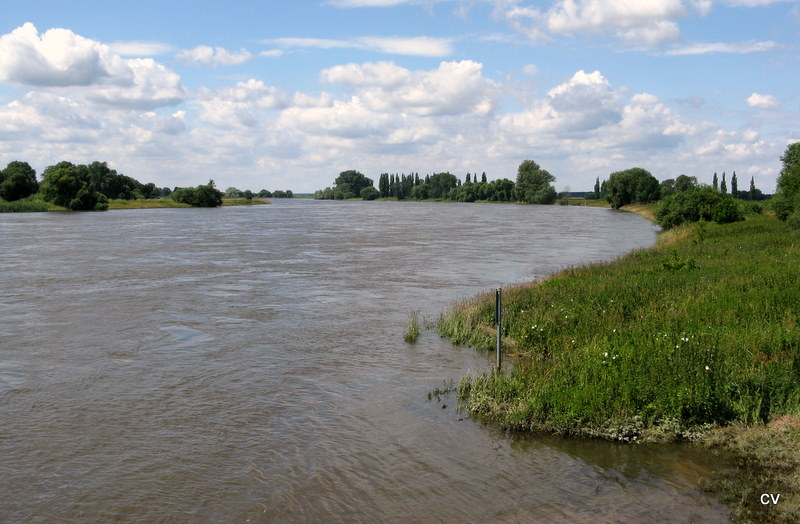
(666,343)
(412,328)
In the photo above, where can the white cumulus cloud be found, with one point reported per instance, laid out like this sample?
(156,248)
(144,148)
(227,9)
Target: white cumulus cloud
(759,101)
(59,58)
(452,88)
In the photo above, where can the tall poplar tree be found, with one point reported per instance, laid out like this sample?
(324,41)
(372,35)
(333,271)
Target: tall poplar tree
(734,185)
(715,182)
(723,186)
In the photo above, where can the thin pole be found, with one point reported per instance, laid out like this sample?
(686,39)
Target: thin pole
(499,319)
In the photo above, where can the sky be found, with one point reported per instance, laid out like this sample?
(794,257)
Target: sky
(285,95)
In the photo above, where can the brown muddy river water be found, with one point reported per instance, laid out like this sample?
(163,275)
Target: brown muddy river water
(235,364)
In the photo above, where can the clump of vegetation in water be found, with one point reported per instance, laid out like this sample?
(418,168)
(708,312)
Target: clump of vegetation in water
(412,328)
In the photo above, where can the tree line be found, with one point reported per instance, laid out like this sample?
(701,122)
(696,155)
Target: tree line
(533,185)
(233,192)
(89,187)
(681,199)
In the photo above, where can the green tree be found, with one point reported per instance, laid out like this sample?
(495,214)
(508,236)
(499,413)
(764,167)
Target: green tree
(201,196)
(597,188)
(483,178)
(666,188)
(383,185)
(354,181)
(734,185)
(502,190)
(723,187)
(752,194)
(534,184)
(791,156)
(631,185)
(232,192)
(715,181)
(68,185)
(441,184)
(683,182)
(421,192)
(369,193)
(17,180)
(786,201)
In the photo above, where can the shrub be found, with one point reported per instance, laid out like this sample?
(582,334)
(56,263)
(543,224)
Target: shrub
(698,203)
(727,211)
(200,196)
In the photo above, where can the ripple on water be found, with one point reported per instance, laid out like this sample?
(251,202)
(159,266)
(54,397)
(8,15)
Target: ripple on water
(183,340)
(11,380)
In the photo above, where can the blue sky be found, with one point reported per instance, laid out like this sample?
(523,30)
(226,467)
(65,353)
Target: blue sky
(285,95)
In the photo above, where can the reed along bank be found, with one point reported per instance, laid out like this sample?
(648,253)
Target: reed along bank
(687,340)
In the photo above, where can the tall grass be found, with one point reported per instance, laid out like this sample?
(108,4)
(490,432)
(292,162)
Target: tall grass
(24,206)
(702,329)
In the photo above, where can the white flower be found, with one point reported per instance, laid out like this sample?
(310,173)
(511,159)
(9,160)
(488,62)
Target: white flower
(708,368)
(605,354)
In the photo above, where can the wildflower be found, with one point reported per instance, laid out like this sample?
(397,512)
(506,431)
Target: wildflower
(614,331)
(708,368)
(677,347)
(605,354)
(684,339)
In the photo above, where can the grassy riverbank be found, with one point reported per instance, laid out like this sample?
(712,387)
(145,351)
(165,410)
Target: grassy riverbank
(155,203)
(33,204)
(699,332)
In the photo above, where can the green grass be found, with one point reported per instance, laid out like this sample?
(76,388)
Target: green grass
(667,339)
(243,202)
(150,203)
(31,204)
(153,203)
(22,206)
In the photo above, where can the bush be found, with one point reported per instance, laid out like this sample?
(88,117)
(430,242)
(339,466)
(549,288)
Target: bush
(698,203)
(727,211)
(753,208)
(200,196)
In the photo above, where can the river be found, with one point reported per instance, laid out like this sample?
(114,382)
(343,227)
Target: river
(248,363)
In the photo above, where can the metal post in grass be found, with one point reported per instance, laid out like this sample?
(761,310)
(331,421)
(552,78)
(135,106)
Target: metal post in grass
(498,318)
